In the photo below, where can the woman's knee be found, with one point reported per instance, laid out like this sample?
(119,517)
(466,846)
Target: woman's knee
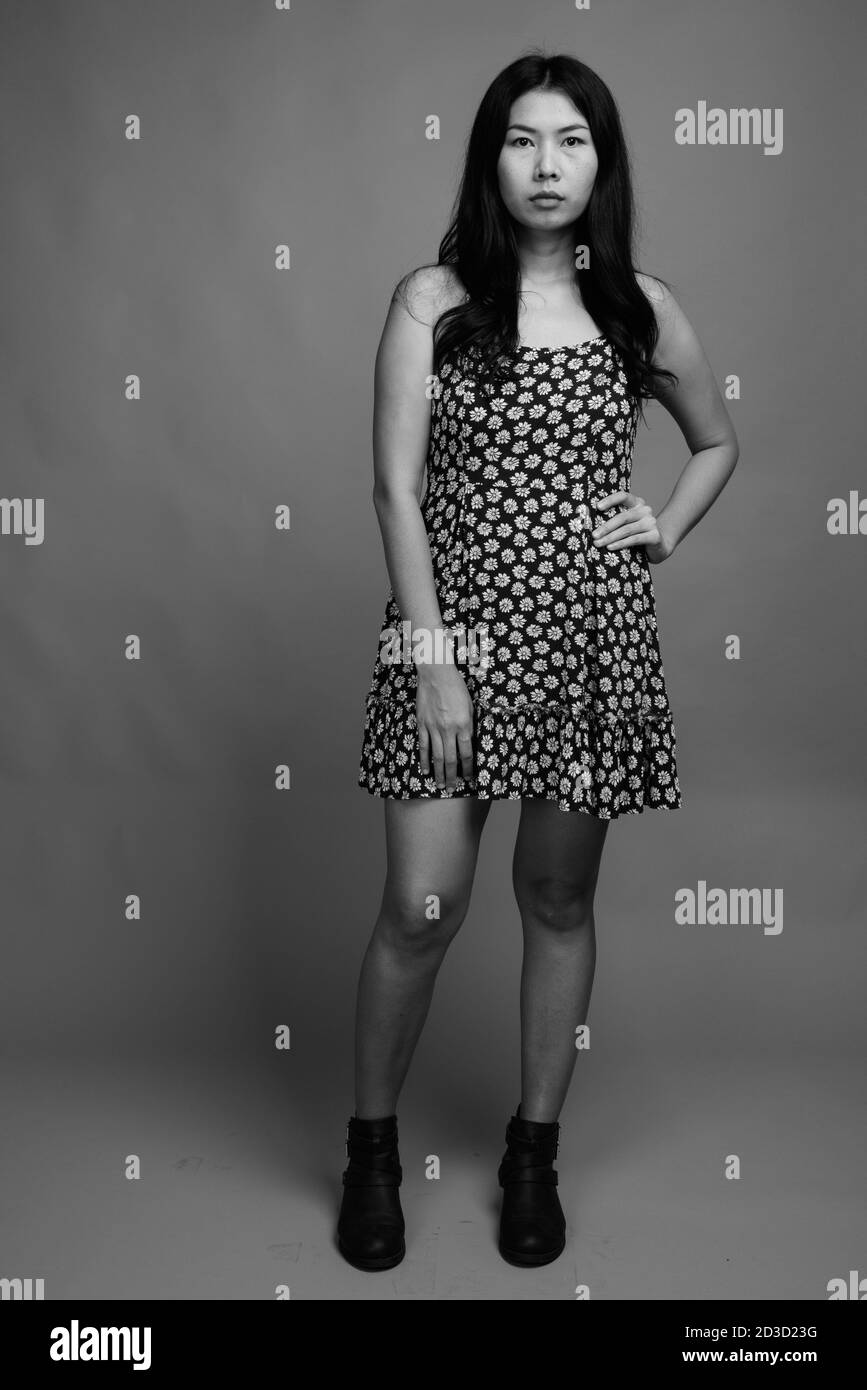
(559,903)
(416,918)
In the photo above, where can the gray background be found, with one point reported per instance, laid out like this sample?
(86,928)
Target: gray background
(156,777)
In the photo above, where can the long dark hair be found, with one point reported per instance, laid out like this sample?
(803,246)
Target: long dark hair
(480,242)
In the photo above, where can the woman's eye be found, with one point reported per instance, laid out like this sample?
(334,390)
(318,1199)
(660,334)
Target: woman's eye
(576,138)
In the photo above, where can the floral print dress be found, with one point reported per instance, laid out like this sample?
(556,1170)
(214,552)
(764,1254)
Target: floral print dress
(556,637)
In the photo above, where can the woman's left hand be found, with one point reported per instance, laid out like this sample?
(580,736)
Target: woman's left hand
(634,525)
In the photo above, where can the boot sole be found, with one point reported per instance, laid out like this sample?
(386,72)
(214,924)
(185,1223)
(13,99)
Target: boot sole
(384,1261)
(514,1257)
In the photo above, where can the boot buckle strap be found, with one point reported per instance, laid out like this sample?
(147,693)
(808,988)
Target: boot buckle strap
(383,1163)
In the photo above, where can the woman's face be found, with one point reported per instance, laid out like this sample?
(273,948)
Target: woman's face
(547,147)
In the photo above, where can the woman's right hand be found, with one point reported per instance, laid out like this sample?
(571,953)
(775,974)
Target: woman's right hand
(444,711)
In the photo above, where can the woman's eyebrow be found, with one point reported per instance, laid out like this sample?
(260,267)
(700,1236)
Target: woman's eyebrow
(579,125)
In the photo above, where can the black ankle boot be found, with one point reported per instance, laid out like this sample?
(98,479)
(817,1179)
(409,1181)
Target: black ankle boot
(532,1224)
(370,1227)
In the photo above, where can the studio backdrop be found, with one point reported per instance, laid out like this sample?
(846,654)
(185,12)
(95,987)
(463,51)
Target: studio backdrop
(207,206)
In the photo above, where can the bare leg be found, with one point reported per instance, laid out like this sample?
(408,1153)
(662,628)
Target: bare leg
(554,872)
(432,847)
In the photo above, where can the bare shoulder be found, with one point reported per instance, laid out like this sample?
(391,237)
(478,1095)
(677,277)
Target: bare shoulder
(677,338)
(694,401)
(659,296)
(654,289)
(428,291)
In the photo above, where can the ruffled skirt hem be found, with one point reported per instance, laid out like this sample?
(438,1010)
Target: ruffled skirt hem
(605,765)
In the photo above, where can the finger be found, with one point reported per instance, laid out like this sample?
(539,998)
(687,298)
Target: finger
(437,756)
(630,514)
(642,539)
(604,527)
(465,753)
(622,527)
(424,750)
(631,528)
(629,540)
(611,500)
(451,758)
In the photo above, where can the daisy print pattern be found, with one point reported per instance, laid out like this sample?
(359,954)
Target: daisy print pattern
(570,703)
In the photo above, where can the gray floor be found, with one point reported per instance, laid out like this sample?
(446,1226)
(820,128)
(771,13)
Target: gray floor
(240,1182)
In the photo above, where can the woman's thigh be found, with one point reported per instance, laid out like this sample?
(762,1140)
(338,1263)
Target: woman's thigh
(432,846)
(556,862)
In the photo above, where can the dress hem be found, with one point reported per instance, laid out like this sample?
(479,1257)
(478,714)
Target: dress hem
(606,766)
(465,793)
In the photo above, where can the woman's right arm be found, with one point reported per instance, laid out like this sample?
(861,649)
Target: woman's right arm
(401,431)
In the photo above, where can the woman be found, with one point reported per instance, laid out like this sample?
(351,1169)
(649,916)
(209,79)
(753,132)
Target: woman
(516,370)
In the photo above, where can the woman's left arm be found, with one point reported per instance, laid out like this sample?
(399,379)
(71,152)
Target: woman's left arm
(699,411)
